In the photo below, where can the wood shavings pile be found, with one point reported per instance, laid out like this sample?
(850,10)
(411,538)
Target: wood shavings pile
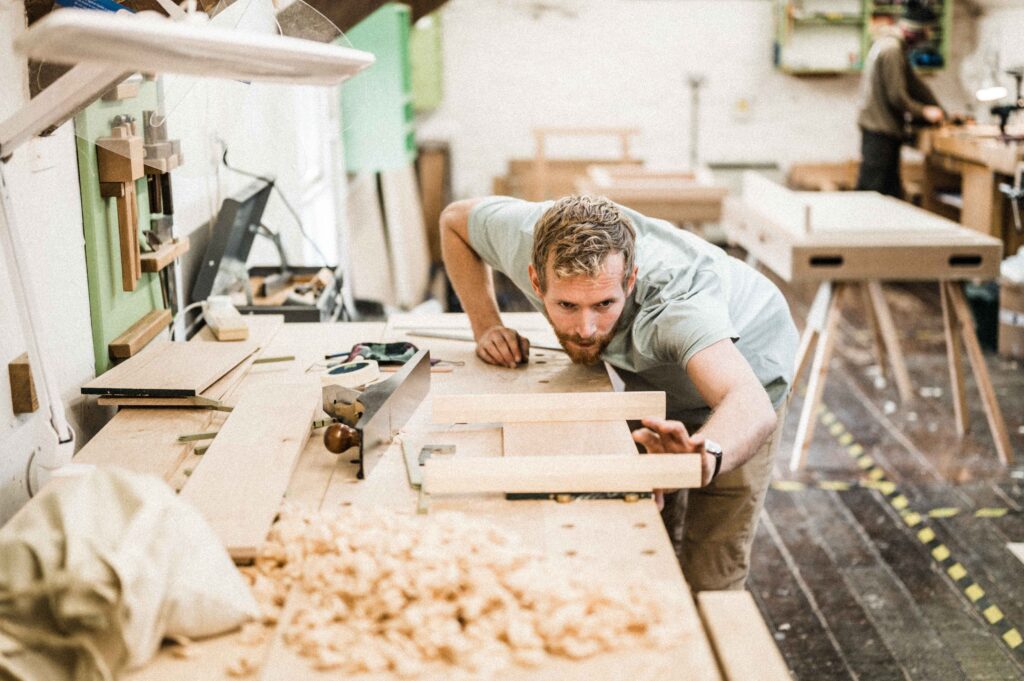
(387,592)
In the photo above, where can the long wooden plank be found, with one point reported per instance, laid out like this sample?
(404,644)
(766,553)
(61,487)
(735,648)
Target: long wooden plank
(170,369)
(539,474)
(743,645)
(521,408)
(239,484)
(407,236)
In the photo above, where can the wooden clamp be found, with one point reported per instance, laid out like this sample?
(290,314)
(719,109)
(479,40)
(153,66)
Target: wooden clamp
(120,159)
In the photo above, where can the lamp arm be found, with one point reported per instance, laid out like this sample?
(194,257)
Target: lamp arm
(61,100)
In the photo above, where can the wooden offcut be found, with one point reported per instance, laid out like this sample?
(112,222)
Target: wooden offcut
(139,334)
(520,408)
(168,369)
(165,255)
(239,484)
(743,644)
(553,474)
(23,390)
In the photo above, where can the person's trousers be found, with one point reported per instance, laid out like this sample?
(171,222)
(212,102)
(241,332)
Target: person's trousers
(880,164)
(712,528)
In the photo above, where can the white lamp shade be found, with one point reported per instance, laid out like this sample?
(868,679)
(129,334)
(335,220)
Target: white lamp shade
(150,43)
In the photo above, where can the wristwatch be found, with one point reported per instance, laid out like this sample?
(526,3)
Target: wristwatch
(715,450)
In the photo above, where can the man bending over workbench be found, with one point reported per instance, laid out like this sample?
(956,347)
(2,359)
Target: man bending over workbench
(669,311)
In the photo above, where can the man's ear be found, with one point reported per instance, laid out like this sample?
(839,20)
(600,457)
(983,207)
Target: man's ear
(631,282)
(535,280)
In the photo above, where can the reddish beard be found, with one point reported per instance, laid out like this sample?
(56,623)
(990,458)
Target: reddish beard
(584,351)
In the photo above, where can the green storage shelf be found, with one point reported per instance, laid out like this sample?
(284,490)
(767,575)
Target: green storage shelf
(112,308)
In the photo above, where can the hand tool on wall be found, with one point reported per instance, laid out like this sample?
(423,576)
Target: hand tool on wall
(161,157)
(120,164)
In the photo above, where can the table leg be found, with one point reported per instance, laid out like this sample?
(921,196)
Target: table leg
(816,383)
(993,414)
(954,357)
(812,328)
(876,331)
(891,340)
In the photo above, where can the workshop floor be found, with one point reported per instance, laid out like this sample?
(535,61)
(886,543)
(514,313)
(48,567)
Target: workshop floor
(852,586)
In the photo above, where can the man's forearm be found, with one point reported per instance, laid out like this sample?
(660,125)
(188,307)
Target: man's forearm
(740,424)
(471,278)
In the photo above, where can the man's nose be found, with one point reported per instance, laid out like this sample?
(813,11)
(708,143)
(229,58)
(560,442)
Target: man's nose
(586,326)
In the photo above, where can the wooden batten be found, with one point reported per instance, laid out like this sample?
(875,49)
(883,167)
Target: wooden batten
(543,474)
(139,334)
(548,407)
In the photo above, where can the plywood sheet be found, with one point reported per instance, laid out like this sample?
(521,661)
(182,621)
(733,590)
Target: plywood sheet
(517,408)
(542,474)
(407,237)
(243,475)
(743,645)
(368,247)
(171,369)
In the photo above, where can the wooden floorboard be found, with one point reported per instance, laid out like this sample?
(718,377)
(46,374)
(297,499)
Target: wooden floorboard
(861,595)
(803,639)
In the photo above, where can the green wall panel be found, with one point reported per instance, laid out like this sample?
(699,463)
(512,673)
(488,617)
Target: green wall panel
(427,65)
(113,309)
(376,105)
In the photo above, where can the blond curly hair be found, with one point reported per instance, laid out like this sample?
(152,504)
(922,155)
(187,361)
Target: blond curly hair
(577,233)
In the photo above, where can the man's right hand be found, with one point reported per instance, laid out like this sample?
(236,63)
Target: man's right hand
(933,114)
(502,346)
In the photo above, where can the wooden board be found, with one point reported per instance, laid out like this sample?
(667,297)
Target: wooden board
(744,646)
(407,237)
(513,408)
(540,474)
(169,369)
(567,438)
(367,248)
(245,472)
(262,330)
(140,333)
(814,236)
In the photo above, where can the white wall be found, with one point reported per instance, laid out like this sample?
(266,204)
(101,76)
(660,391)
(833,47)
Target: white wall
(515,65)
(1001,30)
(43,179)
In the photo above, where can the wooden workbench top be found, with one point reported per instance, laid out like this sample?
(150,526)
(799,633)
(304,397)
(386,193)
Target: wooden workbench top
(622,539)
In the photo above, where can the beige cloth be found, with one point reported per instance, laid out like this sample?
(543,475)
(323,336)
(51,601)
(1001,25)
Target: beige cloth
(96,570)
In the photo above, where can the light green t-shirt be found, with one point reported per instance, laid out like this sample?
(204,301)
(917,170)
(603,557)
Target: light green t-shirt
(689,294)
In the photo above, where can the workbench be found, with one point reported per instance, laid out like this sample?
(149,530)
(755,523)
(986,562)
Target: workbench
(963,169)
(853,241)
(681,197)
(614,536)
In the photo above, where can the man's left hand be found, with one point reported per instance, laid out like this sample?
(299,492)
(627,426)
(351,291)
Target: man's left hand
(661,436)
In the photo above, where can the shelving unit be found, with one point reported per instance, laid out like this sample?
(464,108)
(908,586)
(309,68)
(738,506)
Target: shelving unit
(833,37)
